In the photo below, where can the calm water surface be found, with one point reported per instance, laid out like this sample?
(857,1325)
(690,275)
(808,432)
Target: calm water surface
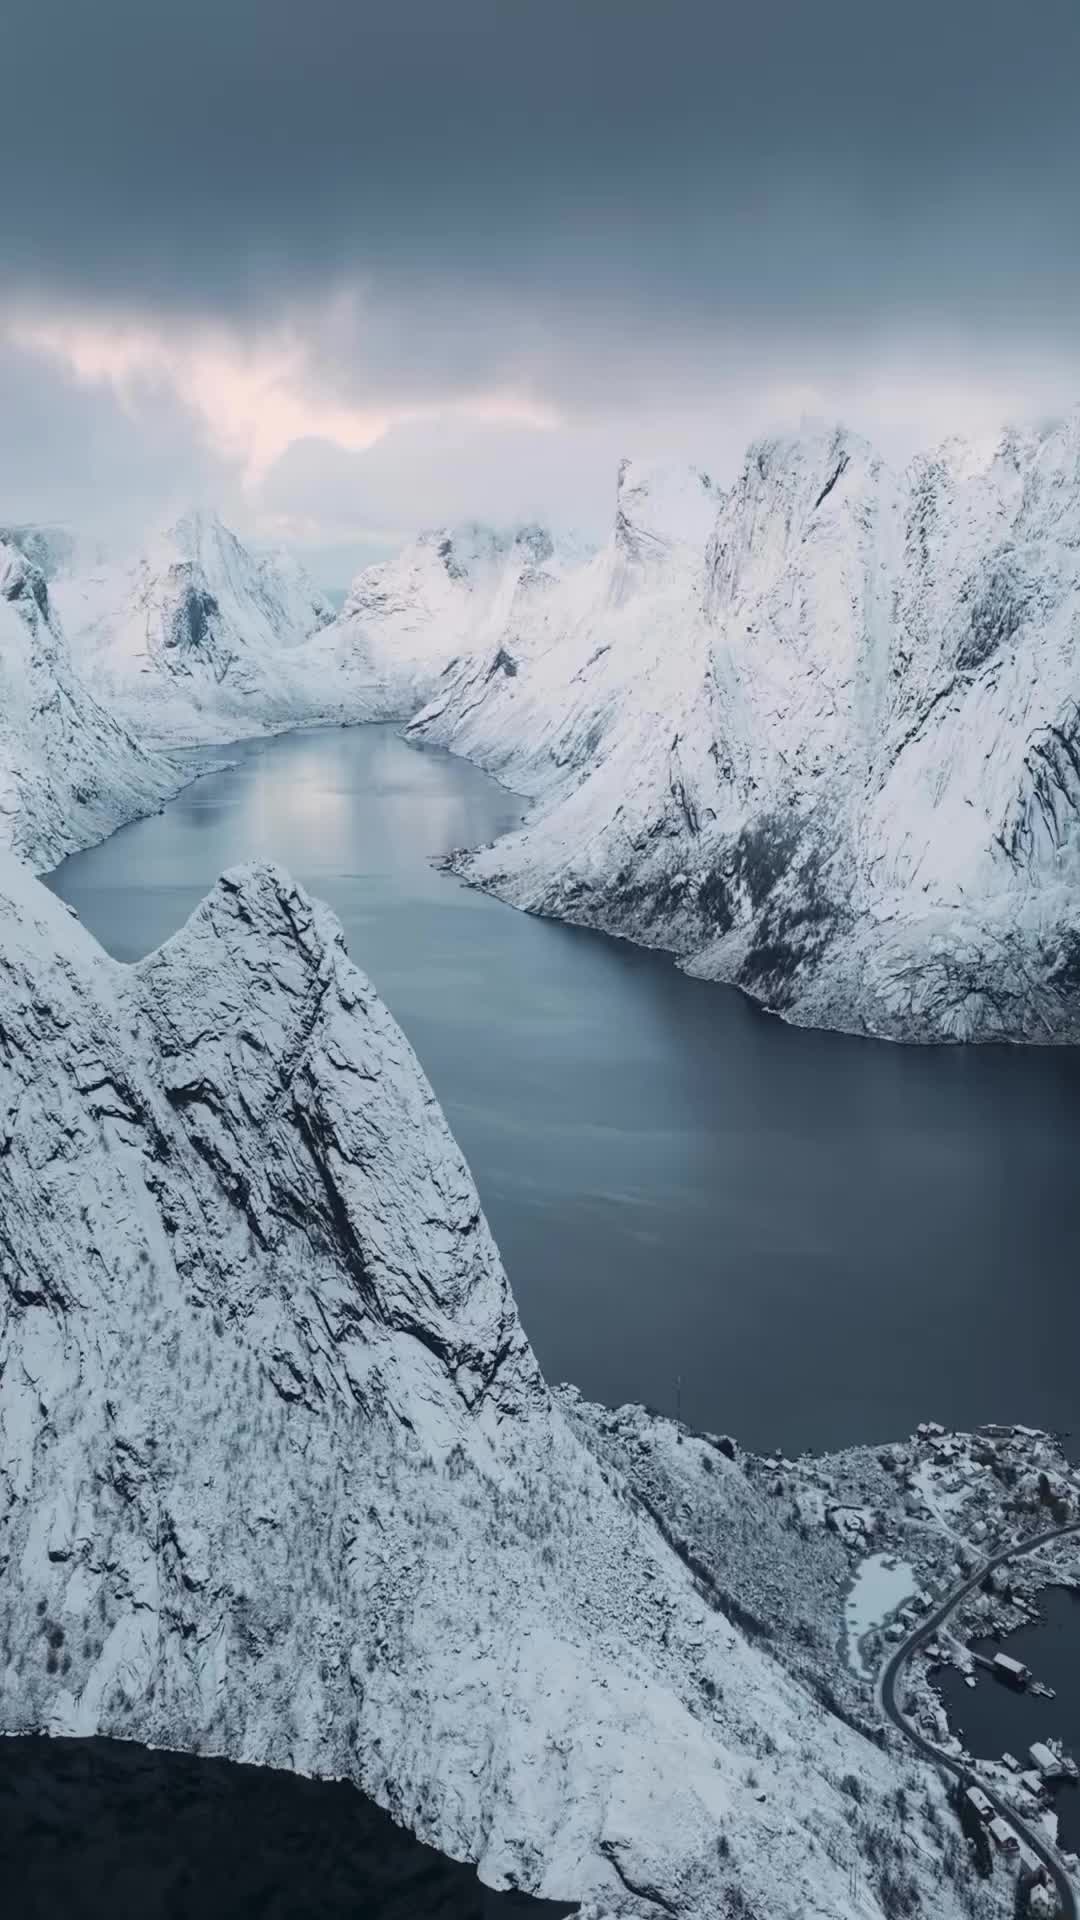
(993,1719)
(796,1237)
(98,1830)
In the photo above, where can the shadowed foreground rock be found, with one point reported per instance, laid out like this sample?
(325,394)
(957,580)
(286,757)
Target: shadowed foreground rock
(96,1827)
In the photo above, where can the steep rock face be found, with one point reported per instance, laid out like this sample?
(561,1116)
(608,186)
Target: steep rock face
(69,773)
(280,1479)
(197,640)
(827,747)
(407,618)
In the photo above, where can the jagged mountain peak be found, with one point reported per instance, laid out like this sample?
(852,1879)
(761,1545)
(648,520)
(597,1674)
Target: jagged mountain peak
(192,641)
(465,551)
(200,544)
(409,619)
(337,1078)
(662,504)
(198,528)
(804,502)
(796,473)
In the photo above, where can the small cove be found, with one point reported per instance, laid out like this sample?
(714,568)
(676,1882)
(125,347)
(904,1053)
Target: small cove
(992,1718)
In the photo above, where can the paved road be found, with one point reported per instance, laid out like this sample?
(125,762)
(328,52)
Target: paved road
(893,1669)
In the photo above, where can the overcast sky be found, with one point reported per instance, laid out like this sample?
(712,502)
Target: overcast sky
(346,268)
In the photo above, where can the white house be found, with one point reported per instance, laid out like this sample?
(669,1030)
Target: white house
(976,1798)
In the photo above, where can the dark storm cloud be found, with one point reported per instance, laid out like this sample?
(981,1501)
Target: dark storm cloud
(806,163)
(348,267)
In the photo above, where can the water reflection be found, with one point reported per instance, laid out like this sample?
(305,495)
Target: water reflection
(801,1238)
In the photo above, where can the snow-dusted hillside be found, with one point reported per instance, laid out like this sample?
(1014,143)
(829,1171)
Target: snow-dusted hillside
(819,735)
(69,772)
(197,639)
(406,620)
(280,1479)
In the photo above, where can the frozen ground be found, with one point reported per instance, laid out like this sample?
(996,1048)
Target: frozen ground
(881,1585)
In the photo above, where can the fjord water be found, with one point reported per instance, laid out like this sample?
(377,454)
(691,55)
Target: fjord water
(796,1237)
(95,1828)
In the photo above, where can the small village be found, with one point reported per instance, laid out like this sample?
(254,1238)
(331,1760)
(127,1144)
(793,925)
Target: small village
(916,1520)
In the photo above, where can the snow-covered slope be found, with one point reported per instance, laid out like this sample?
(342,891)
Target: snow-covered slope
(69,772)
(280,1479)
(407,619)
(819,735)
(197,639)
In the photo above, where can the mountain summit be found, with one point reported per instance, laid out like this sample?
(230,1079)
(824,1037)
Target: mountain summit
(407,620)
(190,641)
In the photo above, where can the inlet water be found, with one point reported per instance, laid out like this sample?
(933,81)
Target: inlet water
(799,1238)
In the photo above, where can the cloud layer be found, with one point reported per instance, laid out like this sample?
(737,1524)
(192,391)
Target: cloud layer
(299,254)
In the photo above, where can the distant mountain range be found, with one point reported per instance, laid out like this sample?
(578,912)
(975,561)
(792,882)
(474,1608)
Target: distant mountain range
(817,733)
(280,1478)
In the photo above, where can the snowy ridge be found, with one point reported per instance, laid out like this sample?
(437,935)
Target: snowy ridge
(69,772)
(280,1479)
(197,639)
(819,735)
(406,619)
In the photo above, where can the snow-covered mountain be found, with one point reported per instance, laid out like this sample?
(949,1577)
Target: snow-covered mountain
(196,639)
(280,1478)
(69,772)
(817,734)
(52,549)
(407,619)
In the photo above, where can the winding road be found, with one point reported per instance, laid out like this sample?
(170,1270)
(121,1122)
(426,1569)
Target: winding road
(894,1668)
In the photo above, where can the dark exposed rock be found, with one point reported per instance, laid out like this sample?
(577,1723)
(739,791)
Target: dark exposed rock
(192,618)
